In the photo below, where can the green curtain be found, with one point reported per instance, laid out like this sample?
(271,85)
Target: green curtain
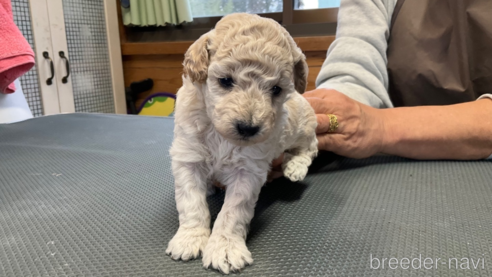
(157,12)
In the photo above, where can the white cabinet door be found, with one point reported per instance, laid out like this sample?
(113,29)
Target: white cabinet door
(78,56)
(45,58)
(61,55)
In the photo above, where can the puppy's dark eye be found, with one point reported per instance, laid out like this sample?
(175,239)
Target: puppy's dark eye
(226,82)
(276,90)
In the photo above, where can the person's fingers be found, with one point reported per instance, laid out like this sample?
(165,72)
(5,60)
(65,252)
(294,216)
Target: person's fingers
(319,105)
(278,161)
(323,123)
(323,143)
(328,142)
(319,93)
(311,94)
(274,175)
(219,185)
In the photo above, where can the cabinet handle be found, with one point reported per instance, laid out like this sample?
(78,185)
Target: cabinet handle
(49,81)
(67,64)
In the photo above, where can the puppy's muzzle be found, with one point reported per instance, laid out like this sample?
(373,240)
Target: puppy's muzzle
(246,130)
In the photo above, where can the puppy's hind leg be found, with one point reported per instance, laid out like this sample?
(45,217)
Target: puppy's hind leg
(296,161)
(194,216)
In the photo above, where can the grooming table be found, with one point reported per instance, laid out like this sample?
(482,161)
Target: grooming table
(93,195)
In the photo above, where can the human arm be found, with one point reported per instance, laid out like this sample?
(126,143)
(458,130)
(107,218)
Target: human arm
(456,132)
(356,63)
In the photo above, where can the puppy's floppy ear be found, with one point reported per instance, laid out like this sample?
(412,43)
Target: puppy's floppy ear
(300,65)
(197,59)
(300,73)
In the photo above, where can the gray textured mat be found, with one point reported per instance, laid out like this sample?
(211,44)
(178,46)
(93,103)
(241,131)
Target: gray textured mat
(92,195)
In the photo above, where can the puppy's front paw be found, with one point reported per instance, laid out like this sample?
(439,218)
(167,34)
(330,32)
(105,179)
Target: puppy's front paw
(295,170)
(188,243)
(226,253)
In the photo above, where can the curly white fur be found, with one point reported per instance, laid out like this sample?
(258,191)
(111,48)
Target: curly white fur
(258,54)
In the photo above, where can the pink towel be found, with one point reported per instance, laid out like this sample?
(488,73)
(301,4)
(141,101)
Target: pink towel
(16,55)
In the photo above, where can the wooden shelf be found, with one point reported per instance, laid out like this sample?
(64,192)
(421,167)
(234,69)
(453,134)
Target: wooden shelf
(155,48)
(307,44)
(310,44)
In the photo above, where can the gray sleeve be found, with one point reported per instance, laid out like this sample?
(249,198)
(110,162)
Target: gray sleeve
(356,62)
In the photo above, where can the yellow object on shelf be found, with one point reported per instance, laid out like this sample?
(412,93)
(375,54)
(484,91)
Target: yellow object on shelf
(159,104)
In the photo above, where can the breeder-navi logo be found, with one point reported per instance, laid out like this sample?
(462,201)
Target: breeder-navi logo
(427,263)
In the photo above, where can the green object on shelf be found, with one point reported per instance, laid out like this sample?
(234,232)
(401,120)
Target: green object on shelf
(157,12)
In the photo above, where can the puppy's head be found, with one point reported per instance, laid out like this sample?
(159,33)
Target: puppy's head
(250,66)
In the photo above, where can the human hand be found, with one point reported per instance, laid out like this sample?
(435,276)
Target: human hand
(361,131)
(359,135)
(276,169)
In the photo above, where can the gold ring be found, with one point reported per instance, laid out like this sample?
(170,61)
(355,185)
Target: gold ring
(333,123)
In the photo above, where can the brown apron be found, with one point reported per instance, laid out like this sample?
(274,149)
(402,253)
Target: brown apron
(440,51)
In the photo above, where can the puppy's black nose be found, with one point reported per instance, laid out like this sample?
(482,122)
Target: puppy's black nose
(246,130)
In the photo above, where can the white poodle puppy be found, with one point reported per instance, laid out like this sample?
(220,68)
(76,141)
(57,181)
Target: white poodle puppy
(239,108)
